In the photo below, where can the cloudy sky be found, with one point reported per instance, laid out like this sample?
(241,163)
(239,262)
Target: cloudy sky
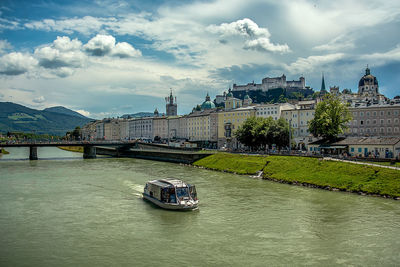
(108,58)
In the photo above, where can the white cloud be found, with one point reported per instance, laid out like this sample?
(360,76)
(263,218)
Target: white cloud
(86,25)
(16,63)
(124,50)
(312,63)
(64,43)
(102,45)
(341,42)
(264,44)
(245,27)
(259,37)
(61,57)
(4,45)
(83,112)
(6,24)
(39,99)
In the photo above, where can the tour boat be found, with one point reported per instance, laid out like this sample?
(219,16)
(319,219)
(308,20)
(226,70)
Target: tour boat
(171,194)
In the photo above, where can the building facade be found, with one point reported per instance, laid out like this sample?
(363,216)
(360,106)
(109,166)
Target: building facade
(228,122)
(375,120)
(141,128)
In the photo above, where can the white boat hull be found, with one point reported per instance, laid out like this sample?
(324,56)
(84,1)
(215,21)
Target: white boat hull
(187,205)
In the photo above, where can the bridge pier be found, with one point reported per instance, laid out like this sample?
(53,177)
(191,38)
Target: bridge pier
(89,152)
(33,153)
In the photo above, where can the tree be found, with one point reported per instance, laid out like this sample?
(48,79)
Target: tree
(76,133)
(316,95)
(346,91)
(330,119)
(261,133)
(282,99)
(247,132)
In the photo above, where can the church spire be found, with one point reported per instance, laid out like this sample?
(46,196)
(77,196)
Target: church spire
(323,89)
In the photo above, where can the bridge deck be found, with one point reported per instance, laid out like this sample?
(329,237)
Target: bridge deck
(42,144)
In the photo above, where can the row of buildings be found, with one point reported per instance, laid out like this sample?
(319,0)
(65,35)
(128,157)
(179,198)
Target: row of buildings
(373,115)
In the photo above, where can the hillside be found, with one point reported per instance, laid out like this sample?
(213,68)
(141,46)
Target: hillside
(62,110)
(15,117)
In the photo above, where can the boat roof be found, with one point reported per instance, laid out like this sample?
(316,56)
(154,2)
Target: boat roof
(169,182)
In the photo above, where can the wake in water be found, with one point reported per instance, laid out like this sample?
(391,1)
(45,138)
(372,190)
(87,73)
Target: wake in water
(137,188)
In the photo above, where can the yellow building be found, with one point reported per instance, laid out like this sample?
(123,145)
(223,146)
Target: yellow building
(228,122)
(198,126)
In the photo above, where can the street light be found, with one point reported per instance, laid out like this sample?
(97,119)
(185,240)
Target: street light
(290,135)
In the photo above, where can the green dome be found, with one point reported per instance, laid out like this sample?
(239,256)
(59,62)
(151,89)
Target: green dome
(246,96)
(207,105)
(229,94)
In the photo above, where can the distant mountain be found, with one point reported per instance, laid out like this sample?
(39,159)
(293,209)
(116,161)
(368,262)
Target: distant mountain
(15,117)
(138,115)
(63,110)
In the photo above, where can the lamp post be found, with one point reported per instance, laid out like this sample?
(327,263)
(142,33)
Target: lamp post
(290,135)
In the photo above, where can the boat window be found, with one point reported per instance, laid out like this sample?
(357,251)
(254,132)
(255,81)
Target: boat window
(172,197)
(182,192)
(193,193)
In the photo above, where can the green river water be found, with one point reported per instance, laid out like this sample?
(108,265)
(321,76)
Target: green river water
(66,211)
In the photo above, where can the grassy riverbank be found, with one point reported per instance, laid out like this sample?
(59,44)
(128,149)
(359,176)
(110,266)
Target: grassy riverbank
(72,148)
(3,151)
(240,164)
(313,172)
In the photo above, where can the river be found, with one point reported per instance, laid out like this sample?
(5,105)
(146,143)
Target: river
(67,211)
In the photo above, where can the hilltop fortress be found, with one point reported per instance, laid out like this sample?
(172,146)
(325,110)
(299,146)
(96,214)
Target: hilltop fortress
(271,89)
(272,83)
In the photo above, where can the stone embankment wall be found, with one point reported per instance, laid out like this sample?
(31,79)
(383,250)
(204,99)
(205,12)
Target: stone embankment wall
(160,155)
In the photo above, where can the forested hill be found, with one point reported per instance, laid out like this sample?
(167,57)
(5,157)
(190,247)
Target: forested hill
(15,117)
(62,110)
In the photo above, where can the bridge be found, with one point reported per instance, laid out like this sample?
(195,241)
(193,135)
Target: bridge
(89,148)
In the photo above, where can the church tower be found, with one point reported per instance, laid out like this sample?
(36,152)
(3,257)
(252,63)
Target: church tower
(368,85)
(323,88)
(171,106)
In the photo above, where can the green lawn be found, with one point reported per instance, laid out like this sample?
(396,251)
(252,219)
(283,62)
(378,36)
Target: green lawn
(241,164)
(345,176)
(324,173)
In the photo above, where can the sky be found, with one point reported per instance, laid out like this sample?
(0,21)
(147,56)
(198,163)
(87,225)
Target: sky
(109,58)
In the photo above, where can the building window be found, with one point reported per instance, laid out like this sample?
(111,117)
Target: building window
(389,121)
(367,121)
(381,122)
(352,149)
(361,122)
(374,113)
(374,121)
(361,114)
(359,149)
(368,113)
